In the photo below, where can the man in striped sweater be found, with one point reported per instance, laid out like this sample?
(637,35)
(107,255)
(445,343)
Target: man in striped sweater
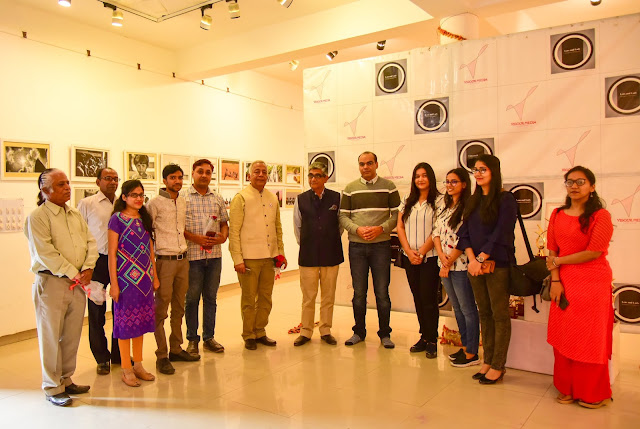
(369,212)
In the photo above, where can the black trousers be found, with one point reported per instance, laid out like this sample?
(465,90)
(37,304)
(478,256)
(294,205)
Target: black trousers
(97,338)
(424,281)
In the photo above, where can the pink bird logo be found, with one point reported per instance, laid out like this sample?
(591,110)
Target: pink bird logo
(354,123)
(320,87)
(519,108)
(471,66)
(391,162)
(571,152)
(627,202)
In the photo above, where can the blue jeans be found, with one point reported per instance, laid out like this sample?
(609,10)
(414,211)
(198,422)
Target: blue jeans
(204,280)
(377,257)
(463,301)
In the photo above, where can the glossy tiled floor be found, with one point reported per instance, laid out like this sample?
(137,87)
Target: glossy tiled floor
(315,385)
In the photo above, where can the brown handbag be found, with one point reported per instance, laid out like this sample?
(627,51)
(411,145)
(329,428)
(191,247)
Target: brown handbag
(488,267)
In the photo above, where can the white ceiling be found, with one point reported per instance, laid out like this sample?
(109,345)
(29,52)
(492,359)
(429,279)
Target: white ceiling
(268,35)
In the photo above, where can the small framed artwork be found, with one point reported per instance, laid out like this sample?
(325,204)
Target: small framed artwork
(141,166)
(246,165)
(214,161)
(290,197)
(279,193)
(150,192)
(85,162)
(229,171)
(275,173)
(549,208)
(227,193)
(184,161)
(22,160)
(294,175)
(80,192)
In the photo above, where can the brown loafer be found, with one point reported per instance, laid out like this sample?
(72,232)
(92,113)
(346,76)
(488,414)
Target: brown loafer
(250,344)
(301,340)
(266,341)
(329,339)
(213,346)
(103,368)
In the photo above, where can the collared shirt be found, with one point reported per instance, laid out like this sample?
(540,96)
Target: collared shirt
(169,217)
(369,182)
(199,210)
(59,241)
(449,238)
(297,217)
(419,225)
(96,211)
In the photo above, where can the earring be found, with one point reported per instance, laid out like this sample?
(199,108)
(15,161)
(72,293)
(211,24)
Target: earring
(591,195)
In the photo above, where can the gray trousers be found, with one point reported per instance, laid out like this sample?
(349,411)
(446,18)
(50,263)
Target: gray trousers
(59,317)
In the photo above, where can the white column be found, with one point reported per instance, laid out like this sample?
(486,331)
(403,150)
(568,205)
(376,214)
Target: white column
(465,25)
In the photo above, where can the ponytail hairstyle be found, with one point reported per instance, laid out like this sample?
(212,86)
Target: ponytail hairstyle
(414,194)
(593,204)
(120,205)
(45,181)
(489,205)
(456,217)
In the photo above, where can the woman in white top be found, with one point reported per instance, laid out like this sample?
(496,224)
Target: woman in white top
(453,267)
(419,259)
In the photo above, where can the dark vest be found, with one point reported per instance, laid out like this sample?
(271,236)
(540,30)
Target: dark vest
(320,244)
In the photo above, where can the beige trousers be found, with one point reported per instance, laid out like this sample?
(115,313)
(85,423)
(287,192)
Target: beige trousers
(309,277)
(174,282)
(255,302)
(59,317)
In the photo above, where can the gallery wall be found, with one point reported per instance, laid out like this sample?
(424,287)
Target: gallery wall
(57,96)
(542,101)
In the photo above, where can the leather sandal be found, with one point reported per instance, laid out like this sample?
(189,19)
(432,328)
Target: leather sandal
(143,374)
(129,378)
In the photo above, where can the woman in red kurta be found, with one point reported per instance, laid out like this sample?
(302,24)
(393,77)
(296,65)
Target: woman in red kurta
(578,238)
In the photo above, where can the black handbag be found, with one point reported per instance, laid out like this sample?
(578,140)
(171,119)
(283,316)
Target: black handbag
(526,279)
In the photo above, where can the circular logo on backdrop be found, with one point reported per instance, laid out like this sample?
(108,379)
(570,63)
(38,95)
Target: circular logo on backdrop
(326,160)
(529,200)
(624,95)
(391,77)
(572,51)
(627,303)
(470,152)
(431,115)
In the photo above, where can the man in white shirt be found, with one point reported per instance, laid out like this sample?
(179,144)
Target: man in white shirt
(96,211)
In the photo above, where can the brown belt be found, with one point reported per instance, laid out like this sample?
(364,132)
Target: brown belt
(173,257)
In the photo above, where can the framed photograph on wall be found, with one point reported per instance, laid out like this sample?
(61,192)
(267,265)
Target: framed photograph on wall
(80,192)
(86,161)
(227,193)
(246,173)
(290,197)
(229,171)
(21,160)
(294,175)
(184,161)
(214,161)
(279,193)
(150,192)
(549,208)
(275,173)
(142,166)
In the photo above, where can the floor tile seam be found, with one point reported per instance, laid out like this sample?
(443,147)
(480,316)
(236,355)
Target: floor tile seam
(533,411)
(260,409)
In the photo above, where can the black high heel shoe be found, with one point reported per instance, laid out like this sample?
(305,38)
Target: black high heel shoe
(478,376)
(485,380)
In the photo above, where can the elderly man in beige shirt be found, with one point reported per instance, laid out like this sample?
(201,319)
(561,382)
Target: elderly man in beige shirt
(255,238)
(63,252)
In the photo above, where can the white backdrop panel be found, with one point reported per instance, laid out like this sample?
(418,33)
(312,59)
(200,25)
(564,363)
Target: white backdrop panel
(573,101)
(520,59)
(522,107)
(619,44)
(321,126)
(474,64)
(474,111)
(432,68)
(356,80)
(392,119)
(620,148)
(357,124)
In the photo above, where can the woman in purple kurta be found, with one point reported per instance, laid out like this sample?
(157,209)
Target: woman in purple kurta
(133,278)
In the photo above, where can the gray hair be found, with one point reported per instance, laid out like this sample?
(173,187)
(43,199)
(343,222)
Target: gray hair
(259,161)
(319,166)
(45,181)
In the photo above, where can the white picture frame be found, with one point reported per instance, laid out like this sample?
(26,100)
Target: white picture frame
(184,161)
(135,169)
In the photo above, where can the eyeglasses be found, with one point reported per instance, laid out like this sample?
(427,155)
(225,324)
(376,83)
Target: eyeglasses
(110,179)
(451,182)
(134,196)
(480,170)
(569,183)
(315,176)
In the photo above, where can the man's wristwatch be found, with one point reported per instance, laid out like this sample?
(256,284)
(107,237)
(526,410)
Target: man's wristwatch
(480,259)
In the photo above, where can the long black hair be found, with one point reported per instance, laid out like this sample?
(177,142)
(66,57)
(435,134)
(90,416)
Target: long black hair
(489,205)
(593,204)
(120,205)
(456,217)
(414,194)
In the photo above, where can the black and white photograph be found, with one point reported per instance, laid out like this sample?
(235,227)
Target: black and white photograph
(184,161)
(141,166)
(85,162)
(80,192)
(24,160)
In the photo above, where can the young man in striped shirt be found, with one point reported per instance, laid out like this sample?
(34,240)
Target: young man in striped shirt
(369,212)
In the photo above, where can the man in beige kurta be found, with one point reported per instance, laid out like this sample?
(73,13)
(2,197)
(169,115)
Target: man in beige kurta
(255,238)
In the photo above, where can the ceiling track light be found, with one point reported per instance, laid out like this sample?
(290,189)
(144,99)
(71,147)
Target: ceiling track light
(206,20)
(595,2)
(234,9)
(331,55)
(116,15)
(380,45)
(65,3)
(293,64)
(285,3)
